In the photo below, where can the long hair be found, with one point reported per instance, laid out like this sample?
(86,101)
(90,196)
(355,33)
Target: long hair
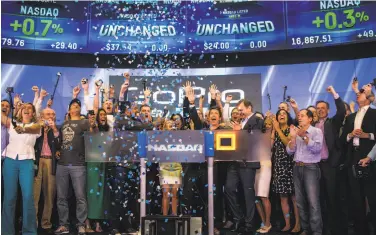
(289,118)
(101,127)
(181,118)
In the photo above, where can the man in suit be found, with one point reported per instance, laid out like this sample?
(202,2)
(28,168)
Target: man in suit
(242,172)
(359,135)
(45,150)
(330,156)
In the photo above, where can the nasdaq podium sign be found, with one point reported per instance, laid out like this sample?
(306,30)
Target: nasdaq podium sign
(175,146)
(253,146)
(119,146)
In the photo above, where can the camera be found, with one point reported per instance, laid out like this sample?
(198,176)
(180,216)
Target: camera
(9,90)
(84,80)
(99,82)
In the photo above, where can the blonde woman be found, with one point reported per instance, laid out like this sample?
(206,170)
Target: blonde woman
(170,179)
(19,168)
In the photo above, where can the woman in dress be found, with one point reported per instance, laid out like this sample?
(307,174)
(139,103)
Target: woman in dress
(282,181)
(170,179)
(19,168)
(98,197)
(262,180)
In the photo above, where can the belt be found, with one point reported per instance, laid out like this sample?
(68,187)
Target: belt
(304,164)
(46,157)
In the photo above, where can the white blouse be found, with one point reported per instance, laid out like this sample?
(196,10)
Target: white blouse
(21,144)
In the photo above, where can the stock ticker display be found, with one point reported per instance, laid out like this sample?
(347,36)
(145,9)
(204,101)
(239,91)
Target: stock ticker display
(178,26)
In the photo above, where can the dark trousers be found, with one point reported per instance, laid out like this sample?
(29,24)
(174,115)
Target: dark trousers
(219,173)
(194,194)
(124,197)
(328,197)
(344,202)
(241,173)
(361,188)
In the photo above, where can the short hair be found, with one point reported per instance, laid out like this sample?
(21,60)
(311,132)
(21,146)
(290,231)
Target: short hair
(323,101)
(144,105)
(309,112)
(246,103)
(216,108)
(284,102)
(311,106)
(5,101)
(262,115)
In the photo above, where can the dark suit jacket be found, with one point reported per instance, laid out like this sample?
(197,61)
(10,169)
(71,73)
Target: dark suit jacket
(53,143)
(365,145)
(332,127)
(254,123)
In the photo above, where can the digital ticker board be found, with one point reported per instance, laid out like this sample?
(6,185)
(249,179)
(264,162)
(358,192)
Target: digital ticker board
(178,27)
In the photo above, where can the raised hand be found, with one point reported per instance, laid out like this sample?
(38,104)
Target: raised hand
(76,91)
(112,91)
(213,91)
(355,86)
(235,126)
(43,93)
(293,132)
(275,123)
(228,98)
(367,89)
(85,84)
(293,103)
(191,96)
(127,76)
(147,93)
(35,89)
(331,90)
(50,103)
(16,99)
(218,96)
(187,87)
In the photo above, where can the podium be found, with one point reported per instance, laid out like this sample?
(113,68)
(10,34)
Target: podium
(177,146)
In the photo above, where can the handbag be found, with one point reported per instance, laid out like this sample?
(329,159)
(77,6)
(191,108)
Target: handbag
(360,172)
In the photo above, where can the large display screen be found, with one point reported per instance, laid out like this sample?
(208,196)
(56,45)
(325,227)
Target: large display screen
(179,27)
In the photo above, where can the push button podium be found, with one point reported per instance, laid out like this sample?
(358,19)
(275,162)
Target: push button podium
(177,146)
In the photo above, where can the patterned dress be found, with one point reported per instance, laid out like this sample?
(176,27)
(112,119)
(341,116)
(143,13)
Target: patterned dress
(282,179)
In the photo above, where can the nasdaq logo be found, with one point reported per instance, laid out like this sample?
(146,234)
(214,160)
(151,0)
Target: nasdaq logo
(175,148)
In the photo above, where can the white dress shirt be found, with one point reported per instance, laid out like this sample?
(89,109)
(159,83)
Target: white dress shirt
(358,124)
(21,144)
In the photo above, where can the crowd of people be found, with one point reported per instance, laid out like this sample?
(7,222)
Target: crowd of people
(320,168)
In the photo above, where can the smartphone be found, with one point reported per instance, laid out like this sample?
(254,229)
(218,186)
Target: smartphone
(288,99)
(355,79)
(91,112)
(84,80)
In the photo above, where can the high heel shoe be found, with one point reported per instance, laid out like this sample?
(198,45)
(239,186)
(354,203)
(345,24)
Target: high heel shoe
(266,229)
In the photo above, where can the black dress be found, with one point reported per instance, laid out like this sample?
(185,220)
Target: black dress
(282,178)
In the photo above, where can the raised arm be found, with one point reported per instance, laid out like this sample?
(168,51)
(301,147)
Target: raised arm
(36,94)
(96,97)
(226,109)
(341,109)
(192,110)
(85,87)
(213,95)
(38,104)
(294,106)
(147,94)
